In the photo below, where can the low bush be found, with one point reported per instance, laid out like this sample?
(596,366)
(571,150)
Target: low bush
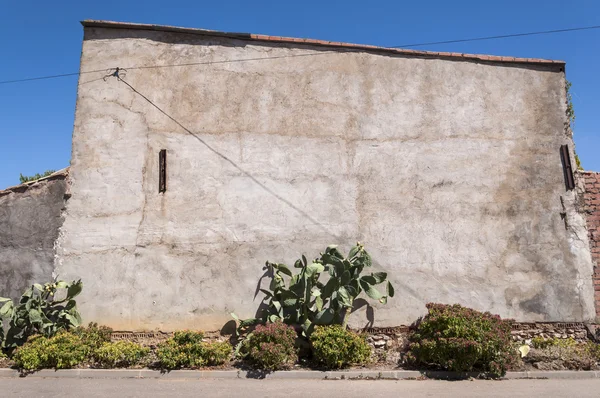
(217,352)
(120,354)
(93,336)
(62,351)
(461,339)
(271,347)
(563,354)
(183,350)
(541,343)
(186,350)
(593,349)
(337,347)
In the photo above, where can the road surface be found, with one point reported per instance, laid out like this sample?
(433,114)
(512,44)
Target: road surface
(91,388)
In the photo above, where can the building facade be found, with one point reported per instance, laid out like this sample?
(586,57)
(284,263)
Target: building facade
(446,166)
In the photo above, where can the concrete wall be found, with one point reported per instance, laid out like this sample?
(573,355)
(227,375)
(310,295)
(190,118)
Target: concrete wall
(591,205)
(30,218)
(449,171)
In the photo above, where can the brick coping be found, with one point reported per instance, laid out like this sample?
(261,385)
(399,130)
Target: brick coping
(332,44)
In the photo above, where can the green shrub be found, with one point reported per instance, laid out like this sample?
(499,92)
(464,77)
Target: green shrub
(188,337)
(62,351)
(186,350)
(460,339)
(33,354)
(183,350)
(271,347)
(217,353)
(337,347)
(541,343)
(120,354)
(36,176)
(558,353)
(593,349)
(588,348)
(93,336)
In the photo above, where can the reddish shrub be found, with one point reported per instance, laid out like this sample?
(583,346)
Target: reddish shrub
(461,339)
(272,347)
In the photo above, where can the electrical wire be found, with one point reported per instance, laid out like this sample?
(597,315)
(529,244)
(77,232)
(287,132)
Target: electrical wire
(167,66)
(498,37)
(227,159)
(305,55)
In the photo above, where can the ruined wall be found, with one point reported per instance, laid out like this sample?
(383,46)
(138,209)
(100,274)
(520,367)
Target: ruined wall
(449,172)
(30,218)
(591,181)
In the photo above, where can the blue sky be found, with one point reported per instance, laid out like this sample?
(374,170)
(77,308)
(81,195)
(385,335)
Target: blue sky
(44,38)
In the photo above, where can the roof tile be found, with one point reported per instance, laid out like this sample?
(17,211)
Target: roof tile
(259,37)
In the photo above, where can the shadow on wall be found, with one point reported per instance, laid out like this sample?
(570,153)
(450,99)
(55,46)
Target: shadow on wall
(234,164)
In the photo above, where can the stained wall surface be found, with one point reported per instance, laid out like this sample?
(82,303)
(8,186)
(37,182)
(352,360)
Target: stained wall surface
(448,171)
(30,218)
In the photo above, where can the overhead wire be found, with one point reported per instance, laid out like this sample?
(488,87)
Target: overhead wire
(224,157)
(166,66)
(304,55)
(543,32)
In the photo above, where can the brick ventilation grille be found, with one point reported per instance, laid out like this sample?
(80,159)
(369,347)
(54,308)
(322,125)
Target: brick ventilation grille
(592,212)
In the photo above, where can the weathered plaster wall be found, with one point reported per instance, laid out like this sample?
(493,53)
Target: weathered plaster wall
(591,187)
(30,218)
(448,171)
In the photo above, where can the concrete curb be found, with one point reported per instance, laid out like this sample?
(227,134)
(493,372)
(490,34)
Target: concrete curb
(286,375)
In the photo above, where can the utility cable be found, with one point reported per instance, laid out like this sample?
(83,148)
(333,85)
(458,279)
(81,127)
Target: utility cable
(544,32)
(222,156)
(306,55)
(166,66)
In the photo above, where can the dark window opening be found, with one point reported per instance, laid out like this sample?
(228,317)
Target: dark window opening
(162,171)
(565,158)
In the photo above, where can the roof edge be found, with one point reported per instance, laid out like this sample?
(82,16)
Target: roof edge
(90,23)
(59,174)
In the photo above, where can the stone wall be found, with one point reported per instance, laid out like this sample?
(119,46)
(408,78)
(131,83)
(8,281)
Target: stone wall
(30,219)
(447,169)
(390,344)
(591,182)
(524,332)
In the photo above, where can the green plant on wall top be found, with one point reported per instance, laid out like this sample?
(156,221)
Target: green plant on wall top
(570,109)
(37,176)
(571,117)
(39,311)
(307,300)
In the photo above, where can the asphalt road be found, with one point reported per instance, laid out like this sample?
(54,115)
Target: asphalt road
(90,388)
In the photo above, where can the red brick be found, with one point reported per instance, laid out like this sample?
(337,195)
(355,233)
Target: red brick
(592,208)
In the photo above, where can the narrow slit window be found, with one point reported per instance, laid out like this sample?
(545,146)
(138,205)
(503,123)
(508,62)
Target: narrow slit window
(162,171)
(565,158)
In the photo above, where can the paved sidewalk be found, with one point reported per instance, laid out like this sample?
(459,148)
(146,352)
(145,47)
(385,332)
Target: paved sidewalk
(91,388)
